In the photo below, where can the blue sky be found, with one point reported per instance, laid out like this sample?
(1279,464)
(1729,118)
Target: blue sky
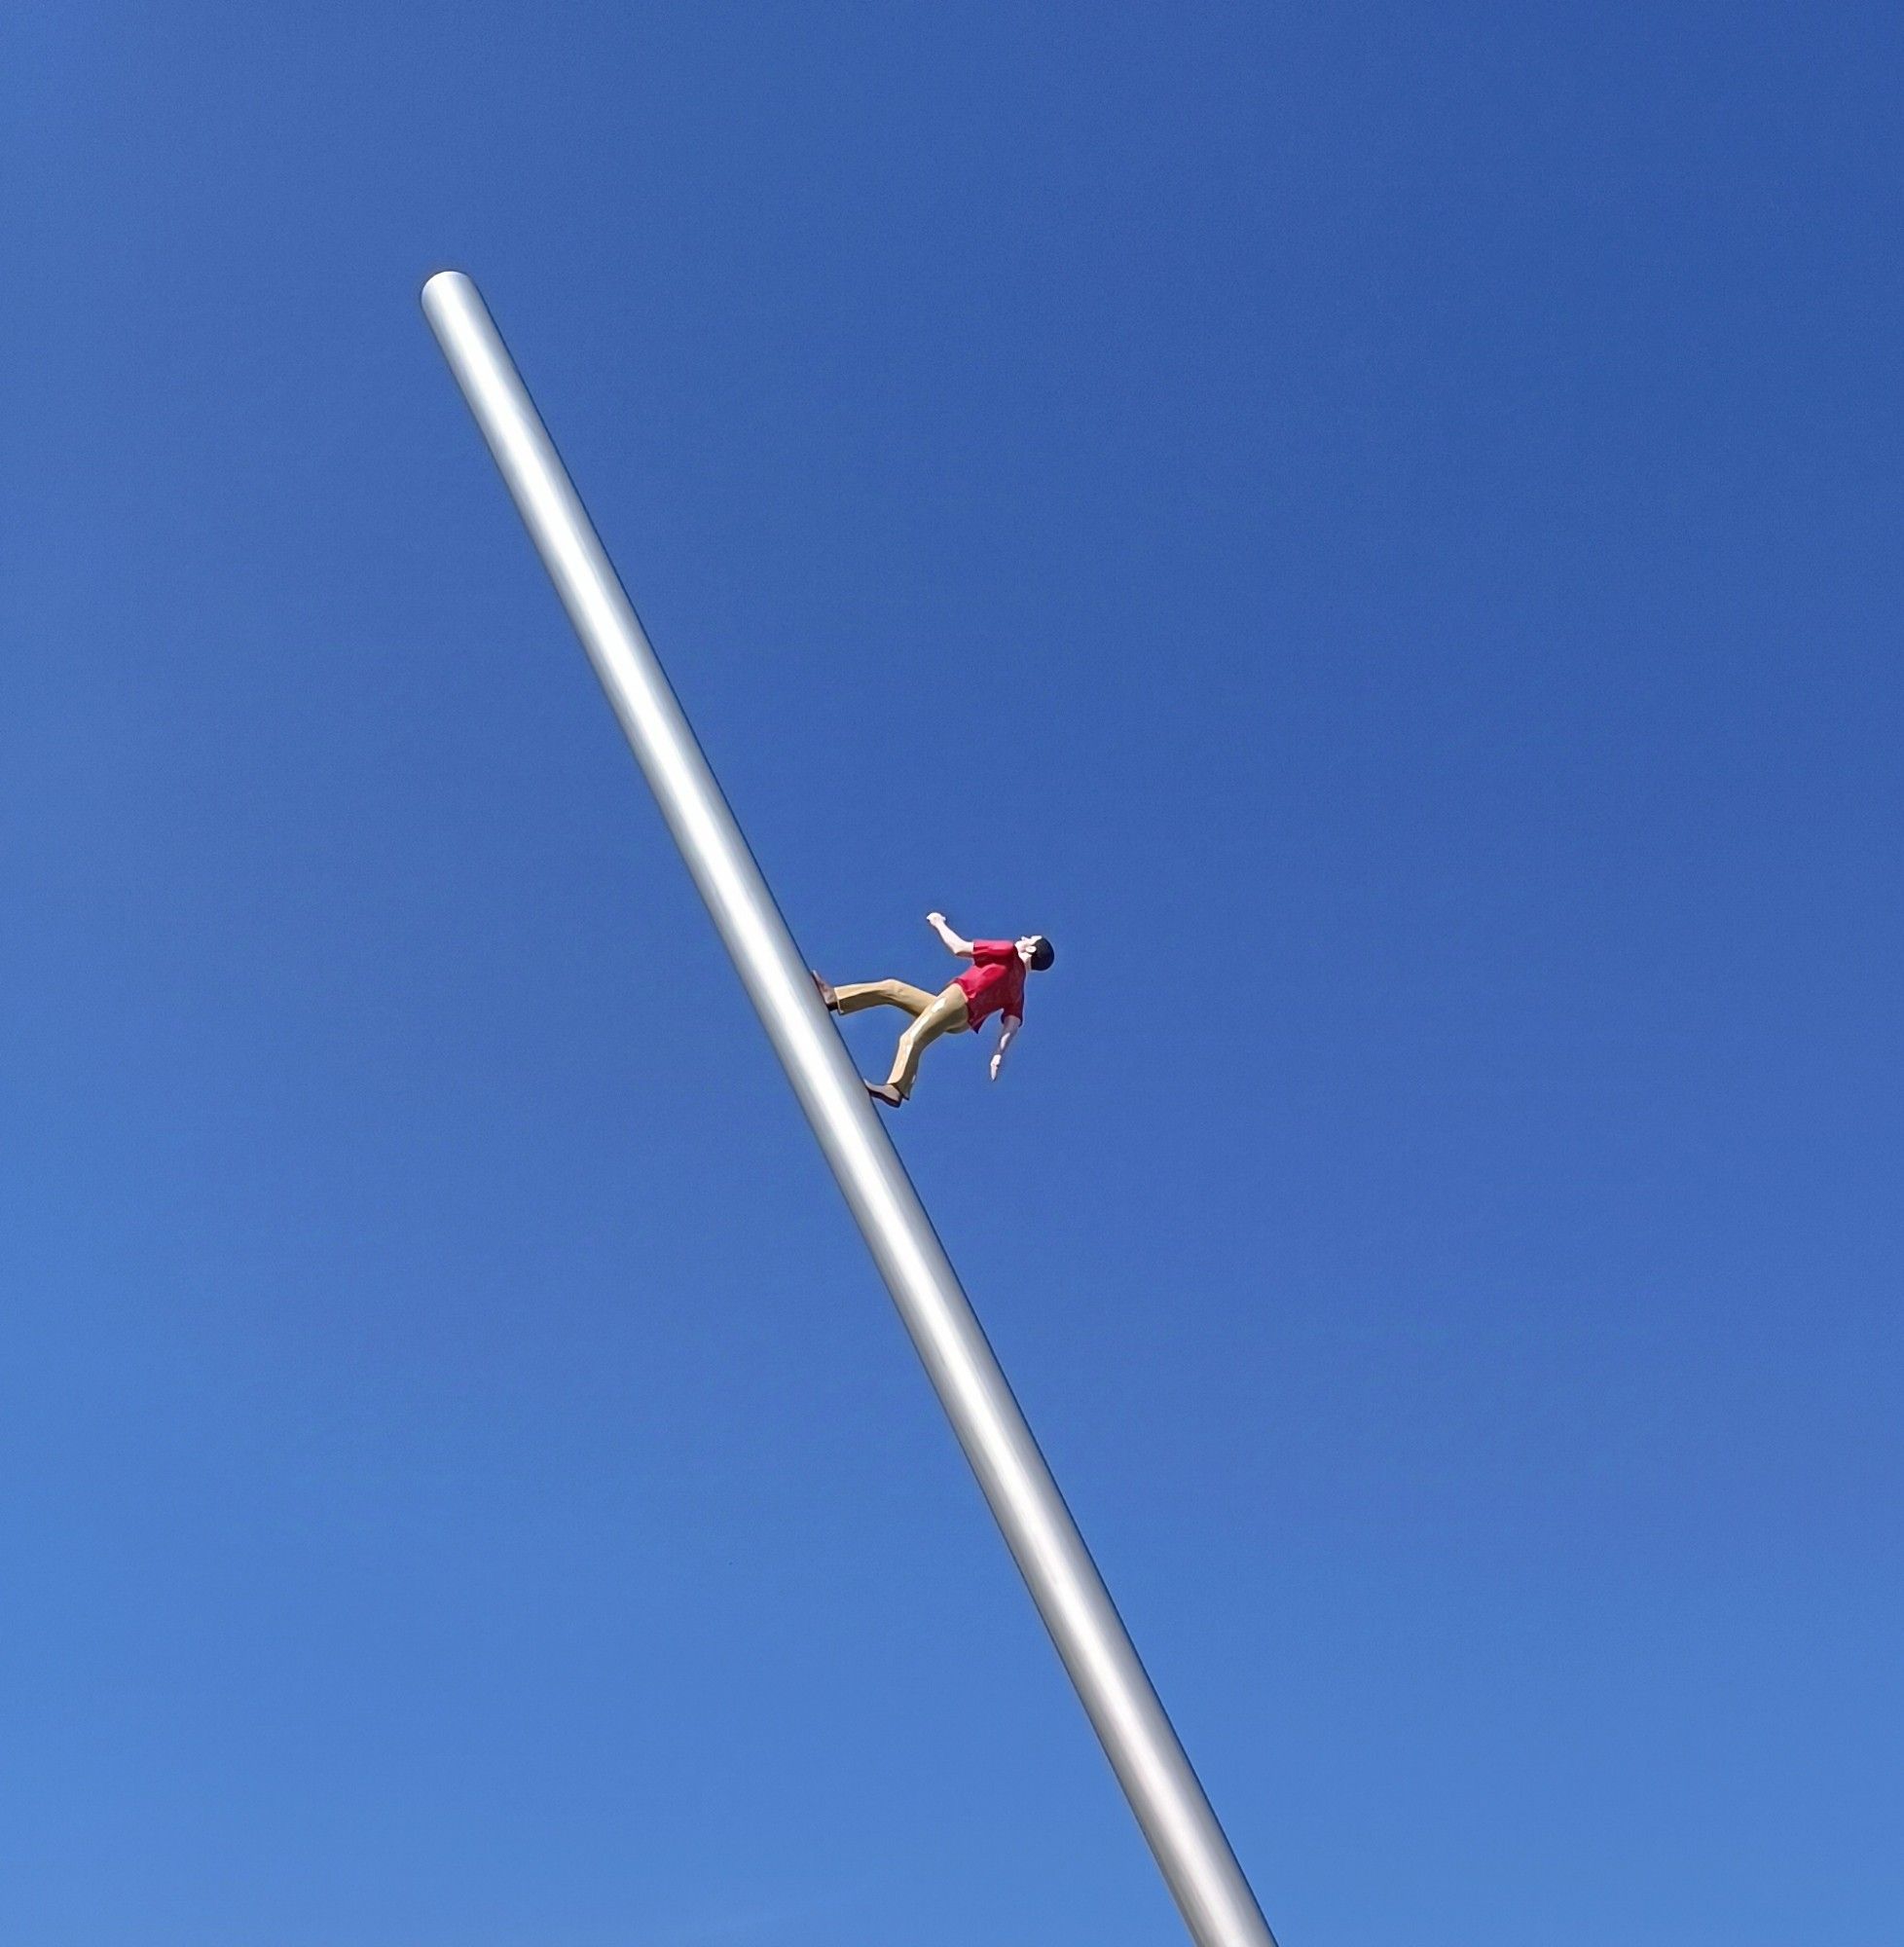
(1379,529)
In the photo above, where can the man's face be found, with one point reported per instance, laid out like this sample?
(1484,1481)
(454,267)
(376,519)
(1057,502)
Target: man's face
(1028,946)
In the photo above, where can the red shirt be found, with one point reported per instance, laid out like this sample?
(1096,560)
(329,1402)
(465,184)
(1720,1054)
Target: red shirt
(994,982)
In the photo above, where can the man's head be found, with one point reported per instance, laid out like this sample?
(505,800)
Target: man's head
(1035,950)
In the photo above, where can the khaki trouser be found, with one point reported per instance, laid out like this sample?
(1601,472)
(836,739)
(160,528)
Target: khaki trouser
(933,1015)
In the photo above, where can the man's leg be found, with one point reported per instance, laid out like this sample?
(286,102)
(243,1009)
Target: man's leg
(946,1015)
(881,994)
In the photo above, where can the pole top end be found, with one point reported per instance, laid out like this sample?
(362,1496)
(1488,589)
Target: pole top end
(440,285)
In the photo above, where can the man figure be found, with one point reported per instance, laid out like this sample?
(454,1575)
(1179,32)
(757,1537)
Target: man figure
(992,984)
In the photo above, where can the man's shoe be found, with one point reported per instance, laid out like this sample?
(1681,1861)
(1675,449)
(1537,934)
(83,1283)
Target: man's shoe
(884,1091)
(827,994)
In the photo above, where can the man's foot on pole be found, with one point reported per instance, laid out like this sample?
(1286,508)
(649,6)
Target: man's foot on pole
(826,993)
(884,1091)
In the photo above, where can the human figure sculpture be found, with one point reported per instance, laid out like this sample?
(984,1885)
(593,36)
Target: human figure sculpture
(992,984)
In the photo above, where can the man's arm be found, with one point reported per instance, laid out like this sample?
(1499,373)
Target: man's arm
(953,944)
(1007,1028)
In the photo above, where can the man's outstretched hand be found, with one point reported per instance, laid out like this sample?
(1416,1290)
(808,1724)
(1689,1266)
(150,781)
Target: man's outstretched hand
(953,944)
(1008,1026)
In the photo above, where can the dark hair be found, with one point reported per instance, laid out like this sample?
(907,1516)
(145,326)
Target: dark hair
(1041,955)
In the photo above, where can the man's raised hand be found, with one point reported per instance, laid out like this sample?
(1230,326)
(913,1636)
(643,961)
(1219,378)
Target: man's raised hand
(953,944)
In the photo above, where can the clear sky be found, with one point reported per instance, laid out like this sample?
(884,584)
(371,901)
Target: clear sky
(1376,528)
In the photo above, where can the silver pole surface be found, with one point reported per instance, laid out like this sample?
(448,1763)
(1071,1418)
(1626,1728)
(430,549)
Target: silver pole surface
(1201,1870)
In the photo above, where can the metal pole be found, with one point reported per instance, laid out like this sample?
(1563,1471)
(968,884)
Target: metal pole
(1201,1870)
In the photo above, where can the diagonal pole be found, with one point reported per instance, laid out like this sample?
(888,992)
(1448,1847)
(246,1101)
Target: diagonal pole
(1200,1869)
